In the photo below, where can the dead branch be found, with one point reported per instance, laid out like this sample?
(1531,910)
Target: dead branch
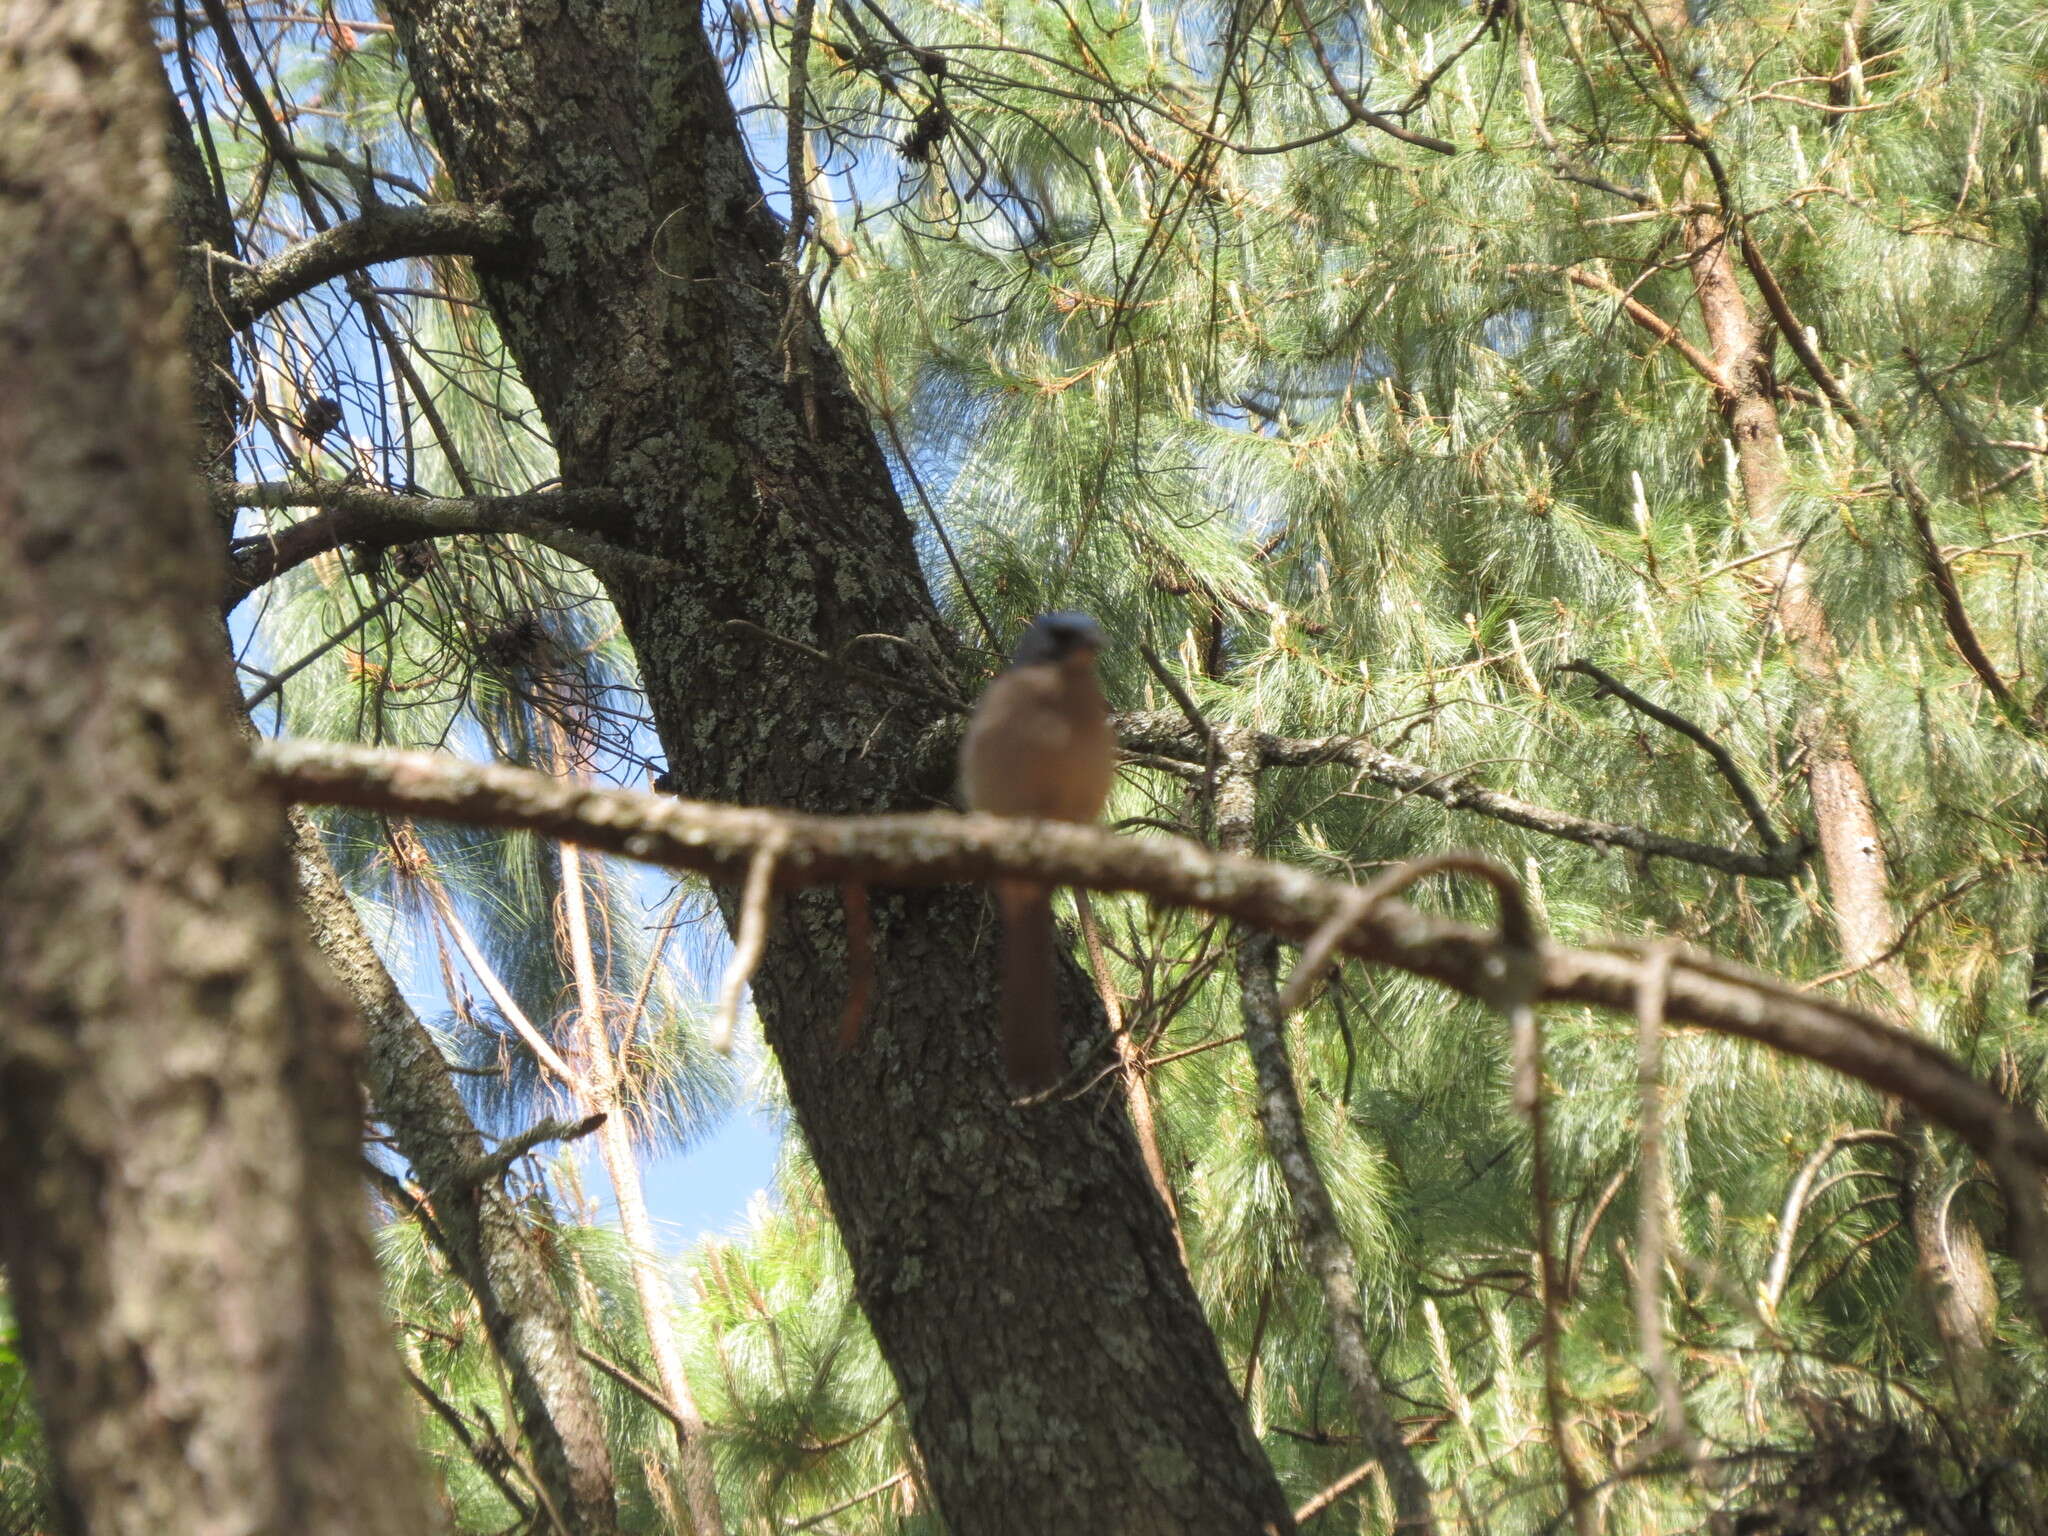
(571,521)
(501,1157)
(1163,734)
(748,943)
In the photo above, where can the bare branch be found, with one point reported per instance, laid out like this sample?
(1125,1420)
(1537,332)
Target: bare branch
(501,1157)
(1162,734)
(1360,112)
(1517,925)
(1323,1247)
(1724,761)
(1645,317)
(383,233)
(564,520)
(645,1391)
(748,943)
(941,848)
(1795,1204)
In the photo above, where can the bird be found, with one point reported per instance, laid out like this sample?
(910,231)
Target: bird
(1038,744)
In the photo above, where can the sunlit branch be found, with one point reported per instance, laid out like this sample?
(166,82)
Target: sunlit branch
(383,234)
(1164,734)
(942,848)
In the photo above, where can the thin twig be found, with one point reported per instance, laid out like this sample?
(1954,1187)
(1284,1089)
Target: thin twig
(1198,722)
(507,1006)
(748,944)
(1723,759)
(952,706)
(847,1503)
(1322,946)
(488,1464)
(645,1391)
(1940,899)
(1163,734)
(796,315)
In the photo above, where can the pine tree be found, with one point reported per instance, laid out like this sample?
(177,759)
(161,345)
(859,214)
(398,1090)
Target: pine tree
(1607,439)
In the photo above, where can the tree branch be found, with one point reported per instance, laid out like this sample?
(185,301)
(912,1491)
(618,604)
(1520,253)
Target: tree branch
(1162,733)
(563,520)
(1723,760)
(383,233)
(500,1158)
(942,848)
(1359,111)
(1325,1252)
(1654,323)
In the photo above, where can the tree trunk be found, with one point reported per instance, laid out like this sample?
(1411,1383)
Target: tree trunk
(1020,1274)
(1952,1263)
(411,1089)
(413,1093)
(183,1227)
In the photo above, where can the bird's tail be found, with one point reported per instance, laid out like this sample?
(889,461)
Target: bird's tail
(1031,1024)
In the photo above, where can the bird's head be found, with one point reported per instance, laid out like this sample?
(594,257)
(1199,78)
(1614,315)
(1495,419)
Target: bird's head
(1059,637)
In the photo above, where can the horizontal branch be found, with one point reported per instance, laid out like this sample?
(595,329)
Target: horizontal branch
(942,848)
(385,233)
(565,520)
(495,1163)
(1165,734)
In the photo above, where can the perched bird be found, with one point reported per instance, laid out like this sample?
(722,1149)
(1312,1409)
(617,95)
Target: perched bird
(1040,744)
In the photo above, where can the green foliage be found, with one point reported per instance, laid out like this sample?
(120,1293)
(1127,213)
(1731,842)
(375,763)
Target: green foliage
(1373,440)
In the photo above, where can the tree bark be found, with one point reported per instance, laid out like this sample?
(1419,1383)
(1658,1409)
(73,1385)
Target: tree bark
(183,1228)
(1951,1258)
(1020,1274)
(1325,1251)
(413,1093)
(410,1087)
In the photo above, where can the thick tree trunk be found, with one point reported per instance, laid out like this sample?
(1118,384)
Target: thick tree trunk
(1952,1261)
(183,1223)
(413,1093)
(1019,1272)
(411,1089)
